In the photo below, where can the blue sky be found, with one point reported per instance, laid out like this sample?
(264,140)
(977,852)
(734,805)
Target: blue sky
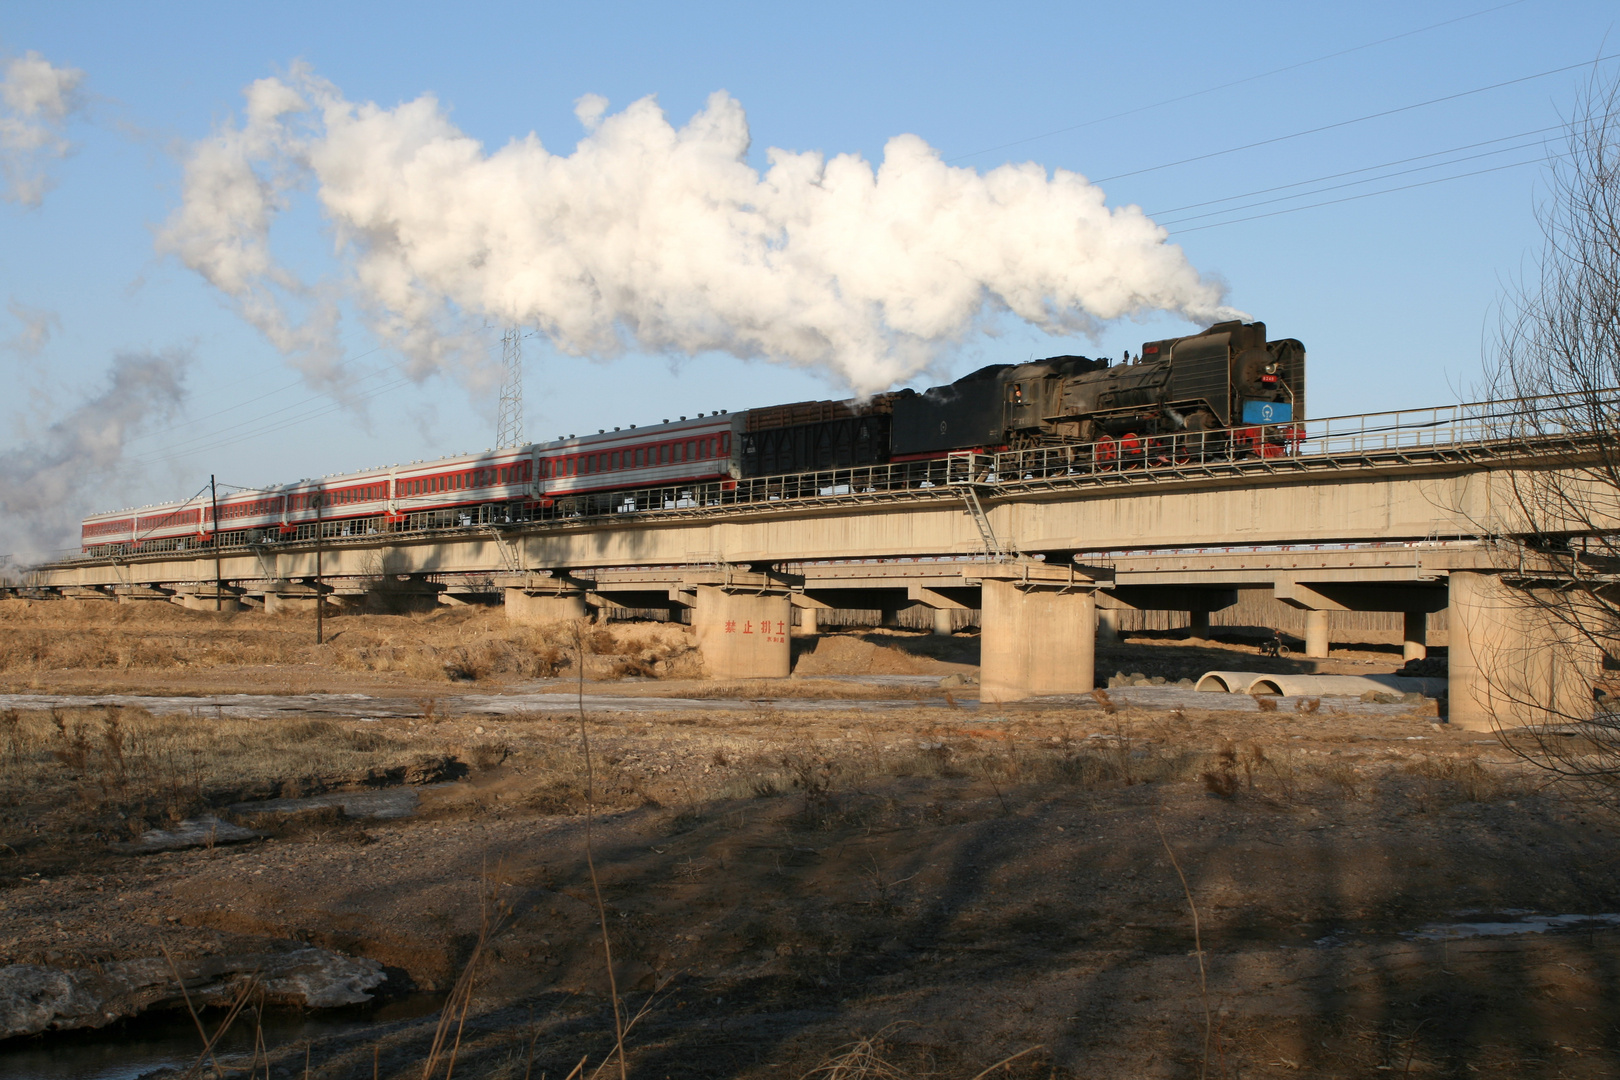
(1392,294)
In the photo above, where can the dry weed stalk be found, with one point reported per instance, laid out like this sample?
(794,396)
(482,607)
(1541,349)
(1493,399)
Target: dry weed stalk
(1198,948)
(492,915)
(863,1060)
(580,640)
(209,1042)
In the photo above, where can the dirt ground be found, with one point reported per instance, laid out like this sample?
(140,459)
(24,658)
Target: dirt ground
(1121,892)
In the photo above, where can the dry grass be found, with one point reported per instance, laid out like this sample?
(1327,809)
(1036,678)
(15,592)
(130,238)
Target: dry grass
(120,770)
(449,645)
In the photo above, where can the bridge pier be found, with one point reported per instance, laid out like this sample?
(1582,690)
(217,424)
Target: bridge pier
(1036,638)
(538,609)
(1198,625)
(1415,635)
(1316,633)
(1515,658)
(1107,625)
(743,635)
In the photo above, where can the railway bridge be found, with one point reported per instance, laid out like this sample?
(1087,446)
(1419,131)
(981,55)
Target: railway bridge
(1414,512)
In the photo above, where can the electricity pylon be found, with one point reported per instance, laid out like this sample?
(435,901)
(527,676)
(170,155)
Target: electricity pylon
(509,420)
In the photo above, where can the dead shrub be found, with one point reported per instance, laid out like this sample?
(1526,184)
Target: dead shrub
(1342,775)
(1107,703)
(1307,705)
(1221,779)
(490,754)
(1264,703)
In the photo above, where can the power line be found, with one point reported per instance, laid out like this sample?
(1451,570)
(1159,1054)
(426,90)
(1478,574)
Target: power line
(1352,183)
(1366,195)
(1357,119)
(1351,172)
(213,413)
(205,441)
(1236,82)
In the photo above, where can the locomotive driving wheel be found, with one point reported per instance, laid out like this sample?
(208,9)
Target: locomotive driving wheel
(1130,450)
(1106,453)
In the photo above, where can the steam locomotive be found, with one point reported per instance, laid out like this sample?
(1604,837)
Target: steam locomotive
(1224,392)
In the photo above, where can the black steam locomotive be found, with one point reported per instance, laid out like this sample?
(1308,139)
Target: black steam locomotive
(1224,391)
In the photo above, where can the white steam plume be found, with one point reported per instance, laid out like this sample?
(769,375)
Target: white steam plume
(36,99)
(660,238)
(49,482)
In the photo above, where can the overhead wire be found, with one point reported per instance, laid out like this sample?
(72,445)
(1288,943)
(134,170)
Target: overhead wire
(1365,180)
(211,440)
(1366,195)
(1356,119)
(1351,172)
(1236,82)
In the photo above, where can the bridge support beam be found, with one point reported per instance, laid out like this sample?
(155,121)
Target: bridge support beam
(743,635)
(1515,658)
(538,609)
(1415,635)
(1198,625)
(1036,639)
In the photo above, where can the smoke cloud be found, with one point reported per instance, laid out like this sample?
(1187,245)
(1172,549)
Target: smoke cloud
(653,237)
(48,483)
(36,99)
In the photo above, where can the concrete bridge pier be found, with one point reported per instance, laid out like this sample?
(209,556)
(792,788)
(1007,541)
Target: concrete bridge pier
(743,634)
(1107,625)
(1316,633)
(1415,635)
(1515,657)
(943,602)
(1198,625)
(1036,638)
(538,609)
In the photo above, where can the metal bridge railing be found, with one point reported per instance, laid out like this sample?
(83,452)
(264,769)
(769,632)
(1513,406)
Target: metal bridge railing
(1471,431)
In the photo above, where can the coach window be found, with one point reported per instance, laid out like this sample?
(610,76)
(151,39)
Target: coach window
(691,451)
(725,442)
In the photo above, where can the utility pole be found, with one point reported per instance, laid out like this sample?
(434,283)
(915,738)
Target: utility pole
(213,492)
(509,418)
(319,497)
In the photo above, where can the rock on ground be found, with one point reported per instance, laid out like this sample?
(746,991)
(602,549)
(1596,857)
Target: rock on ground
(34,997)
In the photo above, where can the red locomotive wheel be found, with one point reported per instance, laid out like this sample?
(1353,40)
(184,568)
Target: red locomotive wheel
(1130,448)
(1106,453)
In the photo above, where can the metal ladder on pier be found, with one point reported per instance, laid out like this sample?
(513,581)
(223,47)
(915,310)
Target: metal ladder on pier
(993,546)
